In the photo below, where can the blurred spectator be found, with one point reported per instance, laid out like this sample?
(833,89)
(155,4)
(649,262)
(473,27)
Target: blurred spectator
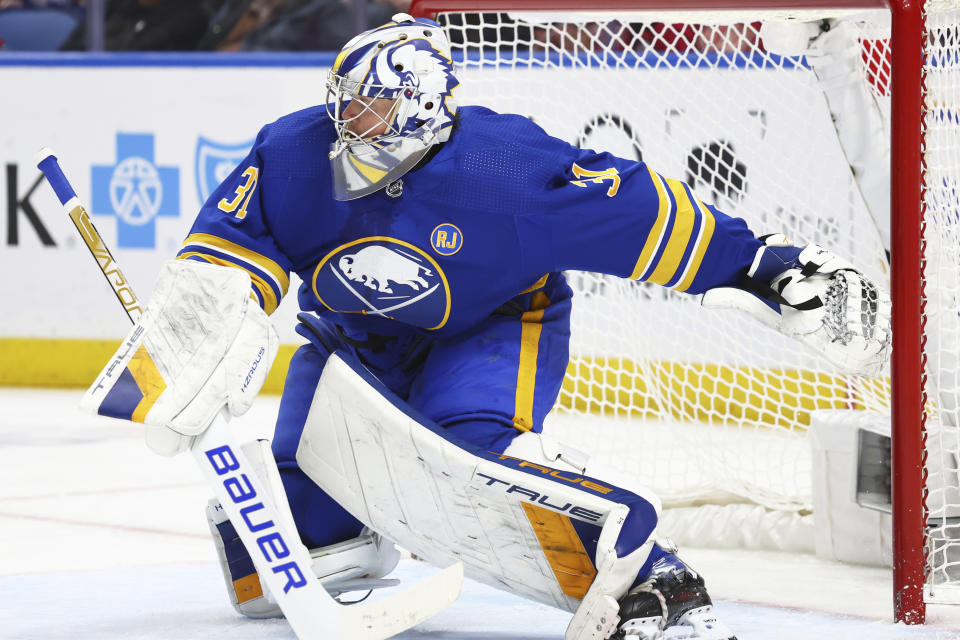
(616,36)
(292,25)
(477,31)
(232,25)
(572,37)
(37,25)
(40,4)
(683,38)
(150,25)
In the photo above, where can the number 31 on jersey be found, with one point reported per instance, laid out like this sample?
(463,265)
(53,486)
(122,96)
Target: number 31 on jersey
(242,195)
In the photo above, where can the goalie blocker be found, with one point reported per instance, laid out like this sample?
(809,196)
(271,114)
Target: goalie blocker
(202,344)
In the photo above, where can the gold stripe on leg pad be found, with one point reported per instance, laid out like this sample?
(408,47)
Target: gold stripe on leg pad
(569,560)
(247,588)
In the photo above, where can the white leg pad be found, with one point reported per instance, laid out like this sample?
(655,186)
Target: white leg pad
(596,618)
(542,449)
(403,476)
(244,588)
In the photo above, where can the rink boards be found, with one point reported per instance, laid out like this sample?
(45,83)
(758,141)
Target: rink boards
(179,124)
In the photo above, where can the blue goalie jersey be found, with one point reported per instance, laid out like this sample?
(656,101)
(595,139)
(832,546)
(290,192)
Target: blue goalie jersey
(448,285)
(498,212)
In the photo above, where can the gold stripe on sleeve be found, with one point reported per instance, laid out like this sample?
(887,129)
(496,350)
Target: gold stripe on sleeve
(706,233)
(679,235)
(654,237)
(270,301)
(256,259)
(531,326)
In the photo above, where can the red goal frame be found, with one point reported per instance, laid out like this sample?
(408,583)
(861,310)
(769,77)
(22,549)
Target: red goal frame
(907,278)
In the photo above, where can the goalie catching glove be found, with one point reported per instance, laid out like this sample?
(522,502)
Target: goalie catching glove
(202,344)
(812,295)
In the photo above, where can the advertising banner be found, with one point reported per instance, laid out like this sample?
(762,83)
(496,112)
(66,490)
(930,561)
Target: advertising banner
(145,139)
(143,146)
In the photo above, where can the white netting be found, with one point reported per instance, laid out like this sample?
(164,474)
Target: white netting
(703,406)
(942,292)
(782,118)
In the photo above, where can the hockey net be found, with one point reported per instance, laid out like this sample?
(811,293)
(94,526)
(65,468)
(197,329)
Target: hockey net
(775,116)
(940,254)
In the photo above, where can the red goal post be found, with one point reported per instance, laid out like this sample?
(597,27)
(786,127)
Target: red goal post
(908,40)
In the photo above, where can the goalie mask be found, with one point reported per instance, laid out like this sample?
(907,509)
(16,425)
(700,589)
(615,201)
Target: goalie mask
(390,97)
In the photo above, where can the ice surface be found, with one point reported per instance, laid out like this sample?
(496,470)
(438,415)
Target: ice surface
(101,539)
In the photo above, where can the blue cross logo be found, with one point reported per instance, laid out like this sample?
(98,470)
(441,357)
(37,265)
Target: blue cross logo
(136,191)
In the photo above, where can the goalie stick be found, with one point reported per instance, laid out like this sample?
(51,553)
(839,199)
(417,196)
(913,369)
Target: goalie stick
(283,568)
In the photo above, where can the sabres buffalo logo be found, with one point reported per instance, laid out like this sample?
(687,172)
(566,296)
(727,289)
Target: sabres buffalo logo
(384,277)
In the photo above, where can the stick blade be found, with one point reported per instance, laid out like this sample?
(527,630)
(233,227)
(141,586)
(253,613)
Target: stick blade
(386,618)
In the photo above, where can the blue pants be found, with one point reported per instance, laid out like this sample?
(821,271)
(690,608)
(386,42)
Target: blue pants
(486,386)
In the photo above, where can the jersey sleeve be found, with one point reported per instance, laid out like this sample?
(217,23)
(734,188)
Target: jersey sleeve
(606,214)
(233,229)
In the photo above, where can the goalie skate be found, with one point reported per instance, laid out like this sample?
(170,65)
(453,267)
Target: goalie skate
(672,605)
(352,565)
